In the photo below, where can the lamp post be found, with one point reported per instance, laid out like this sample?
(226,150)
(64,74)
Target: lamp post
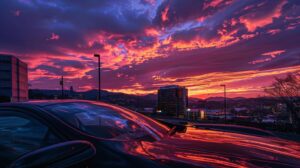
(99,76)
(225,102)
(62,86)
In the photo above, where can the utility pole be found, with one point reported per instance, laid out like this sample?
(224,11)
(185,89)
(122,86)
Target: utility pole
(99,76)
(62,86)
(225,102)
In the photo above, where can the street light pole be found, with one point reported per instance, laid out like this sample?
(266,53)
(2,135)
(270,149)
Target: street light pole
(225,102)
(99,76)
(62,87)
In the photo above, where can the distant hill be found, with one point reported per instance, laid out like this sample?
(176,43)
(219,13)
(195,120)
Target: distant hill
(130,101)
(222,98)
(215,99)
(138,103)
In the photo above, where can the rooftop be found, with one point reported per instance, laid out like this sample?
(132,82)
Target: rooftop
(7,57)
(171,87)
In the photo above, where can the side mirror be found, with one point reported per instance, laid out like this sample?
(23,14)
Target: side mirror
(180,128)
(62,155)
(175,127)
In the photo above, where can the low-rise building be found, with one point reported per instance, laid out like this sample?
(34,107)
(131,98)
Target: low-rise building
(13,79)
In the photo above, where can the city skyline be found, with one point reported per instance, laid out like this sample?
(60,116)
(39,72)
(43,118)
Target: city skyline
(148,44)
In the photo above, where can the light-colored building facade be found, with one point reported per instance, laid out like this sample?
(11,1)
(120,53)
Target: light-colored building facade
(13,79)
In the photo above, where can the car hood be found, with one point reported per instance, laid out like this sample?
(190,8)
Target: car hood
(207,148)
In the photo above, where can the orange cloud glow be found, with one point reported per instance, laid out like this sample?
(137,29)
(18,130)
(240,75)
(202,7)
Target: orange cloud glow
(151,32)
(241,83)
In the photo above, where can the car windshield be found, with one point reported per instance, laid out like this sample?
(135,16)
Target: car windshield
(109,122)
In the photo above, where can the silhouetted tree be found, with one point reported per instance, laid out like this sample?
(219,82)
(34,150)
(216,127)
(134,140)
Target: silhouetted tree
(288,90)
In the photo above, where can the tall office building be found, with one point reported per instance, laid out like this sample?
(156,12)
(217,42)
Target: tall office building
(172,100)
(13,79)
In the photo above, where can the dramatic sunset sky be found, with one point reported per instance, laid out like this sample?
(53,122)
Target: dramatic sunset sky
(146,44)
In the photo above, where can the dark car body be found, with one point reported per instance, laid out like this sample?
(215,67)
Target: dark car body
(197,147)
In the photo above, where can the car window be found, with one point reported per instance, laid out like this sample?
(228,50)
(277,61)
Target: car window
(21,134)
(105,122)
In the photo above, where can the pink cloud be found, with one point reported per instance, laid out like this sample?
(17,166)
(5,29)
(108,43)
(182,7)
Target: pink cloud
(216,3)
(213,4)
(273,54)
(164,14)
(249,36)
(252,21)
(54,37)
(273,31)
(260,61)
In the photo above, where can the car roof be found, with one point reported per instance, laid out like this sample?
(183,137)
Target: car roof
(43,103)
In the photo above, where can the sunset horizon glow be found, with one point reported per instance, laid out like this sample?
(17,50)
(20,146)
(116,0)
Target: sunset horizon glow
(147,44)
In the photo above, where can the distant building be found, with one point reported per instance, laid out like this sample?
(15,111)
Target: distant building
(172,100)
(13,79)
(193,114)
(72,93)
(212,113)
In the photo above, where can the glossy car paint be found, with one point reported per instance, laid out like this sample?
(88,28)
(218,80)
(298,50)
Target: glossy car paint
(222,149)
(195,148)
(62,155)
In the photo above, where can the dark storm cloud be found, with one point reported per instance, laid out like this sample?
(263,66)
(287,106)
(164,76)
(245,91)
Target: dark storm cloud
(181,11)
(68,63)
(50,70)
(30,31)
(225,14)
(192,19)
